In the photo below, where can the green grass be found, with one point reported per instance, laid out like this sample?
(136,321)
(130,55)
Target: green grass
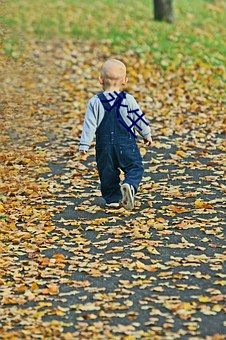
(198,31)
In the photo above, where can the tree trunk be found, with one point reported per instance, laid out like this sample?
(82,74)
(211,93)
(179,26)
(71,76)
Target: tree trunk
(163,10)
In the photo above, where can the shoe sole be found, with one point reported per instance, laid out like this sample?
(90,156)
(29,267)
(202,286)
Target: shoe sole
(127,196)
(112,205)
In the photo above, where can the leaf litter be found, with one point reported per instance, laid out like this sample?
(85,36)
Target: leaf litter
(71,268)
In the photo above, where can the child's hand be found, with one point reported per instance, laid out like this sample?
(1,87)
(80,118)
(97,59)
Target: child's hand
(148,141)
(83,152)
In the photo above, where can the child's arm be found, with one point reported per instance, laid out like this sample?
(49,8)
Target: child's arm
(88,130)
(143,128)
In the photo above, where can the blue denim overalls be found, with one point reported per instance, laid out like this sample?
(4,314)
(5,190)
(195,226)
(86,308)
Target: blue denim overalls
(116,149)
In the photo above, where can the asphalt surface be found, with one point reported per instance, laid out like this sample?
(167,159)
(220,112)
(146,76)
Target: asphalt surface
(156,272)
(88,272)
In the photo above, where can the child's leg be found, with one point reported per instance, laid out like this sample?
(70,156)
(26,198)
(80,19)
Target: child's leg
(109,174)
(131,164)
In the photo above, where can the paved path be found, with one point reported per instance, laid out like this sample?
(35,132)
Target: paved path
(156,271)
(84,272)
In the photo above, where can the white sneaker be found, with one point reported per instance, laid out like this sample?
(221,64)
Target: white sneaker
(112,205)
(128,194)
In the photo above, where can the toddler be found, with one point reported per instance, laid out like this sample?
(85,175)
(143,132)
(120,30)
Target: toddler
(114,116)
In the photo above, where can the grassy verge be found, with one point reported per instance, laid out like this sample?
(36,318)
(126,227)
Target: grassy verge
(197,33)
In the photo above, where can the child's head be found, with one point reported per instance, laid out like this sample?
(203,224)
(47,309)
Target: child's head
(113,75)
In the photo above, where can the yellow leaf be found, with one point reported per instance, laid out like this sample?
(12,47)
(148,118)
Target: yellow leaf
(114,250)
(160,227)
(187,305)
(140,265)
(204,299)
(193,326)
(53,289)
(158,289)
(1,208)
(12,225)
(78,239)
(222,282)
(181,154)
(153,251)
(100,221)
(143,151)
(38,315)
(155,161)
(199,204)
(217,308)
(59,257)
(44,304)
(34,286)
(67,336)
(20,289)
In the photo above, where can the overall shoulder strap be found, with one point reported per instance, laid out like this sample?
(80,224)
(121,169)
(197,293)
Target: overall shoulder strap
(106,103)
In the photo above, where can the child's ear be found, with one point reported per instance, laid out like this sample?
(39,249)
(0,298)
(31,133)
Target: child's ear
(125,81)
(101,80)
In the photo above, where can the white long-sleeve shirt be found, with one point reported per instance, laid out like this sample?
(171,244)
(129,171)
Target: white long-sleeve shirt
(95,113)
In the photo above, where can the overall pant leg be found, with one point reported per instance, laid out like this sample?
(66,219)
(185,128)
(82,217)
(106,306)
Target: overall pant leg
(107,165)
(130,161)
